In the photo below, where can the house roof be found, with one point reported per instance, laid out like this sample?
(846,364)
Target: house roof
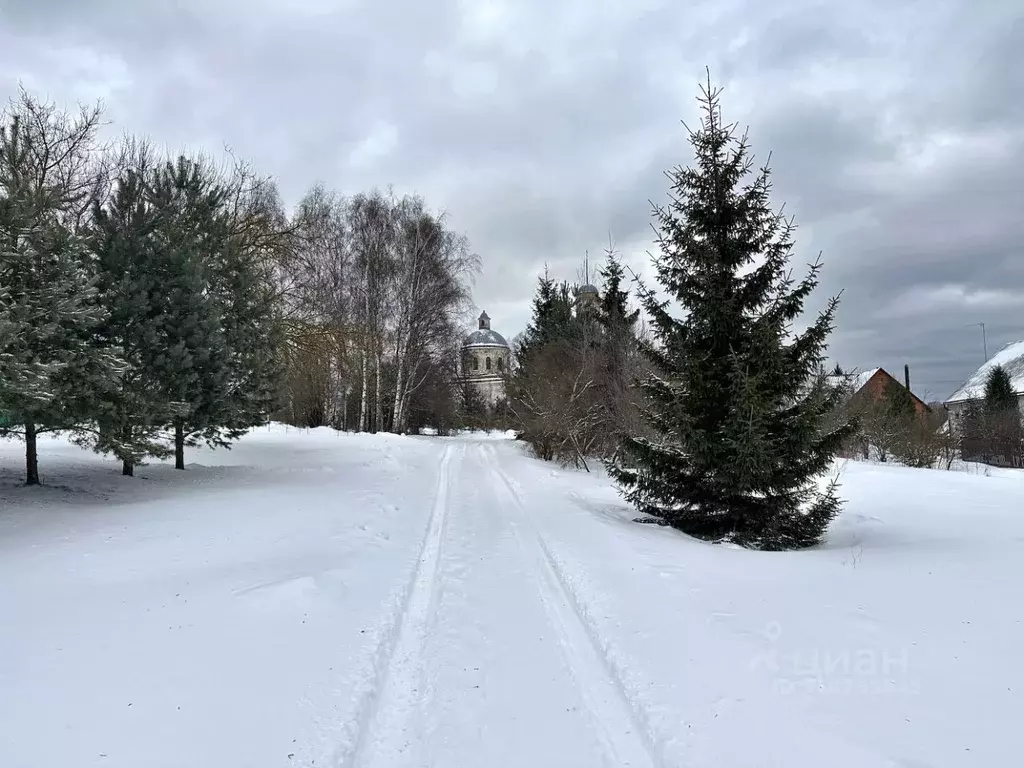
(853,382)
(1010,357)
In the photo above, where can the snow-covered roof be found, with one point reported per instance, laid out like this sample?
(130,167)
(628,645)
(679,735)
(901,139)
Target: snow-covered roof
(853,381)
(485,337)
(1010,357)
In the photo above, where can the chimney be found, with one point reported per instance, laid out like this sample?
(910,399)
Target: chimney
(906,377)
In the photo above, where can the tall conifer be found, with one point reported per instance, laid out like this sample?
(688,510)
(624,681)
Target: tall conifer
(737,399)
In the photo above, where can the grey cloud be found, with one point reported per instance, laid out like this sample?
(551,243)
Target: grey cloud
(540,127)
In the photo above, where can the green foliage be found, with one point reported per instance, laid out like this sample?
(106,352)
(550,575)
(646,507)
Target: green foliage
(618,360)
(736,397)
(552,319)
(992,429)
(900,401)
(999,394)
(56,366)
(135,283)
(189,306)
(614,315)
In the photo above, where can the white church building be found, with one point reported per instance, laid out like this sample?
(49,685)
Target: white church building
(485,361)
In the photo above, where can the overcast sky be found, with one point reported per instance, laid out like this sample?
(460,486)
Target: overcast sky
(896,129)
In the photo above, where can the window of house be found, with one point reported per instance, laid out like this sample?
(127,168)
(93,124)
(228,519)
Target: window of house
(488,363)
(501,360)
(476,364)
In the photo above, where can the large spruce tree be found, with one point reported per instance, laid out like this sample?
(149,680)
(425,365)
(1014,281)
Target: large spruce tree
(736,398)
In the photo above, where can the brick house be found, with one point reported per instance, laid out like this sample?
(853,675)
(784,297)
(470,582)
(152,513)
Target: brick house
(871,385)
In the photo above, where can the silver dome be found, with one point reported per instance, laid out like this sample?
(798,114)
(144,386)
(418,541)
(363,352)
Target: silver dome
(485,337)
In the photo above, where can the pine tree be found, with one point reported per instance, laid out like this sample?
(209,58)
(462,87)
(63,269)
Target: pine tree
(55,365)
(231,368)
(736,396)
(193,371)
(617,347)
(999,394)
(154,238)
(899,401)
(1001,416)
(133,285)
(614,314)
(253,338)
(552,316)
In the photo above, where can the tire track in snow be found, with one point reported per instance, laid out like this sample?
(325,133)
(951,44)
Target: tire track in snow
(385,709)
(623,725)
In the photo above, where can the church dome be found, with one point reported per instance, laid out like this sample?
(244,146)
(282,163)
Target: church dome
(484,336)
(586,289)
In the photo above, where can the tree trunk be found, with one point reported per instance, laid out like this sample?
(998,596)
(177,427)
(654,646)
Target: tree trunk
(179,444)
(378,411)
(127,465)
(31,454)
(344,407)
(396,414)
(364,406)
(364,403)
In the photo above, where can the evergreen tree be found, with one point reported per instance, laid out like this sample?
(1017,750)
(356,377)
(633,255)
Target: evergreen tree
(1000,413)
(552,316)
(999,394)
(614,315)
(617,347)
(193,253)
(253,334)
(899,401)
(157,239)
(55,365)
(134,287)
(736,397)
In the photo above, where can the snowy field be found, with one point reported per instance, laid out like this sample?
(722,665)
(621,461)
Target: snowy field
(315,599)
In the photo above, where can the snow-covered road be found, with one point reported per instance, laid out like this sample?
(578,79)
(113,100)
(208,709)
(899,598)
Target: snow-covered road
(374,601)
(494,664)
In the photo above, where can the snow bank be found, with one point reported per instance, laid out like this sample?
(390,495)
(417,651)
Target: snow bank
(230,615)
(896,644)
(278,602)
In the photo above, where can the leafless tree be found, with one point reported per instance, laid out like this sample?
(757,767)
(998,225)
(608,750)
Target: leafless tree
(378,287)
(554,402)
(432,267)
(64,155)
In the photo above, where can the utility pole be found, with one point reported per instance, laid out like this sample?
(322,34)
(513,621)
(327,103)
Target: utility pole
(984,338)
